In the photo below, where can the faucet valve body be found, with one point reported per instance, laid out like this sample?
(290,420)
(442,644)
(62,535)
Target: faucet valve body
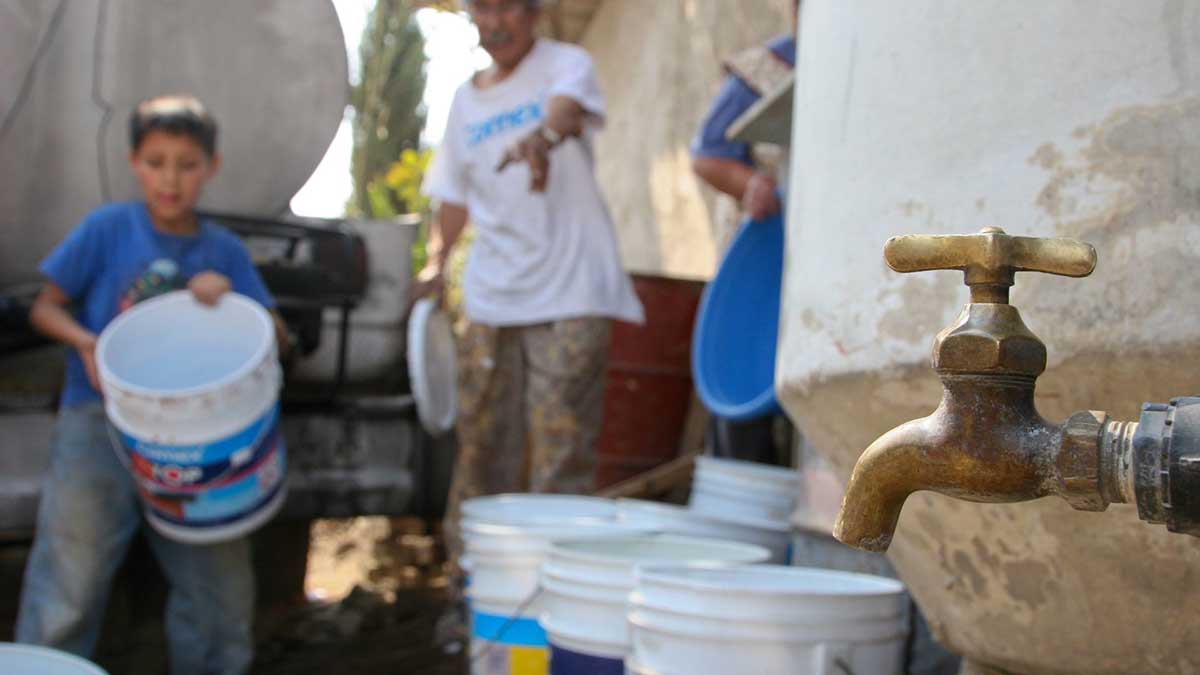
(986,441)
(1080,462)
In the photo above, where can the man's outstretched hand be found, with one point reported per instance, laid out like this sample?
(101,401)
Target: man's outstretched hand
(533,149)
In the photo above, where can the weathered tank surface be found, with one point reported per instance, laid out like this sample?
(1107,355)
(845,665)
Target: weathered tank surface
(72,71)
(1068,119)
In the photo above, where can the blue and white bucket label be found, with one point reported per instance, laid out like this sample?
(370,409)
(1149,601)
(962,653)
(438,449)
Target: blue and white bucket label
(506,645)
(174,466)
(227,503)
(209,487)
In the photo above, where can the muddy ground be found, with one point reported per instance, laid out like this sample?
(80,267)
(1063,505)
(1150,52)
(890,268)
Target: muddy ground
(364,598)
(376,588)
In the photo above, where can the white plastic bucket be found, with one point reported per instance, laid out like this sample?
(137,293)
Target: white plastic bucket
(671,519)
(720,500)
(505,541)
(632,667)
(586,586)
(727,487)
(28,659)
(777,477)
(766,619)
(192,393)
(532,509)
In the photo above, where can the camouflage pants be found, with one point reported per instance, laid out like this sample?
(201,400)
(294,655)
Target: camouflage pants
(530,406)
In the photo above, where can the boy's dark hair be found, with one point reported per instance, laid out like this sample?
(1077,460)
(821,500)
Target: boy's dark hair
(184,115)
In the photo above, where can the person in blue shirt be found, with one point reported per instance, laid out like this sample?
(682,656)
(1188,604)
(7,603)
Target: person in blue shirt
(740,170)
(750,174)
(88,514)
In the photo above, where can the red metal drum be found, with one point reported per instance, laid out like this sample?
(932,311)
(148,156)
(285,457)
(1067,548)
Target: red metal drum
(649,381)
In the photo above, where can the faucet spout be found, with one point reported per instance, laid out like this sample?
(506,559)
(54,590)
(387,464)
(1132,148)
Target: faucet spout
(882,480)
(1006,454)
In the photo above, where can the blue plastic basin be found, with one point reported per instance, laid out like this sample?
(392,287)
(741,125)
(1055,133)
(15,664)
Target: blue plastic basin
(733,345)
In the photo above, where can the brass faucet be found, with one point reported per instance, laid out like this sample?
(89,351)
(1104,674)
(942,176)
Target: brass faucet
(986,441)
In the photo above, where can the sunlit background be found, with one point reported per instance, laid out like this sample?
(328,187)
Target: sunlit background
(451,45)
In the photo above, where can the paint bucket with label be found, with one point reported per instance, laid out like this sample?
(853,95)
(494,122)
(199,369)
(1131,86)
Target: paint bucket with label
(505,541)
(766,619)
(586,587)
(192,395)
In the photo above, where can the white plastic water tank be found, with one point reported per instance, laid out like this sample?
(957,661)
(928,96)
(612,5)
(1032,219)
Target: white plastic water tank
(1076,118)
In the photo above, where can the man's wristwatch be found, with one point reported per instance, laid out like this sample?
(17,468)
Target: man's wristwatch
(552,137)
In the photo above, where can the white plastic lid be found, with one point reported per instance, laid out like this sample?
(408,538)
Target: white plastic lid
(432,367)
(16,658)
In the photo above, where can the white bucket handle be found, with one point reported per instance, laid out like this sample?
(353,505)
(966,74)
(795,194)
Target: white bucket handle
(833,658)
(494,640)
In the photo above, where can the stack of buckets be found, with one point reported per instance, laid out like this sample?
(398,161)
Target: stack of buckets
(744,490)
(734,500)
(587,585)
(192,395)
(505,541)
(562,585)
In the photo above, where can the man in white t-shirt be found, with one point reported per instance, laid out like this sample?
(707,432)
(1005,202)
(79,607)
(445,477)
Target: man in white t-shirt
(544,278)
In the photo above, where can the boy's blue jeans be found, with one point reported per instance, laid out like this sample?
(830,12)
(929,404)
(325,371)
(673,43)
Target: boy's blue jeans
(88,514)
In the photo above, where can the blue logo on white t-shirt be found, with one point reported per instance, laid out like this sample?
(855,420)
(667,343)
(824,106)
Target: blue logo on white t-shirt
(522,115)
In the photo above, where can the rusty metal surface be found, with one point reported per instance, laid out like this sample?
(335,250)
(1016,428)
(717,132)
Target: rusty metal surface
(986,442)
(1079,465)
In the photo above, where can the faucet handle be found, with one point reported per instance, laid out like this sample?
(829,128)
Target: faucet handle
(990,258)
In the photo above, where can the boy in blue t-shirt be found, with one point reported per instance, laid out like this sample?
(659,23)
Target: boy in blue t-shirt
(119,255)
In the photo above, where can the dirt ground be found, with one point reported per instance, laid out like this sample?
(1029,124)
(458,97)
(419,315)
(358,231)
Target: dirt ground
(376,589)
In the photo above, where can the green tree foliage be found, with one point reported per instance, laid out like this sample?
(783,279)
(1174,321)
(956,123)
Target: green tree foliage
(403,184)
(387,102)
(405,175)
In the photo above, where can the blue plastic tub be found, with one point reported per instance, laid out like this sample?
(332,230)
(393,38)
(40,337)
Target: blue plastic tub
(733,346)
